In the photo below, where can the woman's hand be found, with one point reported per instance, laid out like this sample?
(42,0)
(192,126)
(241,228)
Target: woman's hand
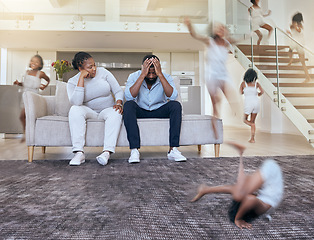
(85,74)
(118,106)
(16,82)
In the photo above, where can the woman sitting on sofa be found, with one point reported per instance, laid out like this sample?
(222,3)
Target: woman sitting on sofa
(91,93)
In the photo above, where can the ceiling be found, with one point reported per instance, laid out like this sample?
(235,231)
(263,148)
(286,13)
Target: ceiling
(17,12)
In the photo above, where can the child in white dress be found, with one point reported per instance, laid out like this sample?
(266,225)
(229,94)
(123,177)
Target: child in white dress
(249,87)
(218,46)
(257,18)
(32,82)
(253,194)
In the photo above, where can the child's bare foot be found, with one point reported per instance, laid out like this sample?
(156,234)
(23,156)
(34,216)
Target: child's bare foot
(242,224)
(251,141)
(200,192)
(237,146)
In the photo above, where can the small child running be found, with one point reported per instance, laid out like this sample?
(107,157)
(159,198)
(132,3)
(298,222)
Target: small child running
(249,87)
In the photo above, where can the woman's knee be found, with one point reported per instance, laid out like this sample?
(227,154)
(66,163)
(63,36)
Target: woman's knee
(76,111)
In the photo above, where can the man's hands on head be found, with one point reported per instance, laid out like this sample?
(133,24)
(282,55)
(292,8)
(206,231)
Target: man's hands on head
(151,62)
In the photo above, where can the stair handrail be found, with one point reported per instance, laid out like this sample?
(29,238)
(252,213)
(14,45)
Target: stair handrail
(291,38)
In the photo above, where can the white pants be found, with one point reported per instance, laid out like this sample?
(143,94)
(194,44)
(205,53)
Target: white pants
(77,121)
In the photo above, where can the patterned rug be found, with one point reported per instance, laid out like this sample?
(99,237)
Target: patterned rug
(51,200)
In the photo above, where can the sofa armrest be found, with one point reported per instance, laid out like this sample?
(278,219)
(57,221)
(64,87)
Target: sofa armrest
(35,107)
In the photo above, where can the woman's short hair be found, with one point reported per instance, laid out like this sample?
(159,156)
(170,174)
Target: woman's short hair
(79,59)
(297,17)
(250,75)
(41,61)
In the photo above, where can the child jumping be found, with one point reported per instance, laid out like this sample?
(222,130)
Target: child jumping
(267,181)
(249,87)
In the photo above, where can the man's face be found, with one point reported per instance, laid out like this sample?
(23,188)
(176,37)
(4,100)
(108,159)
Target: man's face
(151,76)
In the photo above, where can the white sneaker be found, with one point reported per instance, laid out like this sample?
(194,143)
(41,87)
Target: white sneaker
(135,156)
(176,155)
(78,159)
(103,158)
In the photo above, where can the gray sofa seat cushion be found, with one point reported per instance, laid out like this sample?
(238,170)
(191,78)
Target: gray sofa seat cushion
(196,129)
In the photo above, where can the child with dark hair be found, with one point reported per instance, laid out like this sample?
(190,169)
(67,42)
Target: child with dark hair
(249,87)
(32,82)
(253,195)
(296,32)
(258,22)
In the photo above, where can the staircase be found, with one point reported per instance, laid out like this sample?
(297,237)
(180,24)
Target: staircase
(294,97)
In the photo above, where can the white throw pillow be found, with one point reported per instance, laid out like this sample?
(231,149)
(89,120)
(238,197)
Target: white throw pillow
(63,104)
(176,81)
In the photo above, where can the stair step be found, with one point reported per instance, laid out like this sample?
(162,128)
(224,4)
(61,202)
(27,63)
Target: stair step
(306,95)
(287,75)
(294,84)
(272,59)
(261,47)
(281,67)
(267,53)
(304,106)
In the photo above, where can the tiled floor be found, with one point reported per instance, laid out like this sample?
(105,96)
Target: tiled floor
(266,145)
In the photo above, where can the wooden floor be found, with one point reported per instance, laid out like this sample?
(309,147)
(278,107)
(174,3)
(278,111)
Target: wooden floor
(266,145)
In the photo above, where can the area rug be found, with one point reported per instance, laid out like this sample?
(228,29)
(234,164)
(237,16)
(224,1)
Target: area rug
(150,200)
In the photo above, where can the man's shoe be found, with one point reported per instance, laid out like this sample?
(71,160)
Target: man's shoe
(135,156)
(78,159)
(176,155)
(103,158)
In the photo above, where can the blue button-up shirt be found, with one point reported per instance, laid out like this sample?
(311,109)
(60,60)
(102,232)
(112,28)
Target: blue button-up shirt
(149,99)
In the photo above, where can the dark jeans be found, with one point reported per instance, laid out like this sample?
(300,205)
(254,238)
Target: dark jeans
(172,110)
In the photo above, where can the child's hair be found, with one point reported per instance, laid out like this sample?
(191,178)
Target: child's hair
(41,61)
(297,17)
(253,1)
(233,210)
(79,59)
(250,75)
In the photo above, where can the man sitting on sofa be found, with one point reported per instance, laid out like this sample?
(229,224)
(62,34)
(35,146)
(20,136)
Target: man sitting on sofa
(151,94)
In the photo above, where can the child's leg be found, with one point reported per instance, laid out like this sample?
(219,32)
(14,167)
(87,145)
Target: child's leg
(204,189)
(245,119)
(246,184)
(23,121)
(268,28)
(260,36)
(290,56)
(253,128)
(302,60)
(249,203)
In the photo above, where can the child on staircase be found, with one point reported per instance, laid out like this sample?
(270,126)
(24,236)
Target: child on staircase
(249,87)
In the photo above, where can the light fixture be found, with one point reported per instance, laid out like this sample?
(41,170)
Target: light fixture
(137,26)
(126,26)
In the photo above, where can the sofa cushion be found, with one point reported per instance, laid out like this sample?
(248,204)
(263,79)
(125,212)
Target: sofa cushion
(63,104)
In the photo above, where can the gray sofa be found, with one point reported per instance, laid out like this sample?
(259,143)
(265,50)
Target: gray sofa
(47,126)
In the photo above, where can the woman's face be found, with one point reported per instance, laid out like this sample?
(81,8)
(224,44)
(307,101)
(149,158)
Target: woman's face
(89,66)
(35,63)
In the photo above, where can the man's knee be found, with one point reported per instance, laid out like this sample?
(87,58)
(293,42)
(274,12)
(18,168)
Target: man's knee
(129,105)
(175,105)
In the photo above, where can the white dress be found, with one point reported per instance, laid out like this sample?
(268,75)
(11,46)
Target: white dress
(216,70)
(299,37)
(257,18)
(31,84)
(251,101)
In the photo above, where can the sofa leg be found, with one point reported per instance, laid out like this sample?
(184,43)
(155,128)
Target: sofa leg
(217,148)
(43,149)
(30,153)
(199,148)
